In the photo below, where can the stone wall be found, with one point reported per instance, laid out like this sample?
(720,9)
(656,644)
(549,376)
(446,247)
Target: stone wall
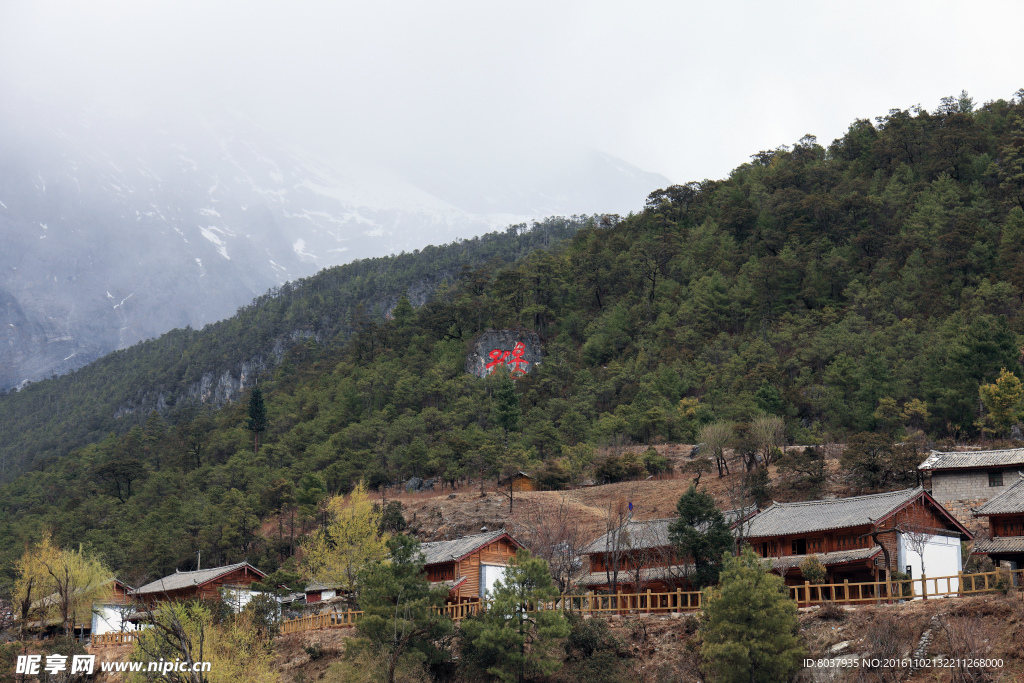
(968,484)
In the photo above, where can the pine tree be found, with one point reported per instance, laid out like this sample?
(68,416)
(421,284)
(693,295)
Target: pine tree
(749,632)
(515,639)
(506,403)
(402,619)
(701,535)
(257,421)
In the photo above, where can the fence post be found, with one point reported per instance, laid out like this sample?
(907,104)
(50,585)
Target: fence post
(924,586)
(648,600)
(679,601)
(807,593)
(846,591)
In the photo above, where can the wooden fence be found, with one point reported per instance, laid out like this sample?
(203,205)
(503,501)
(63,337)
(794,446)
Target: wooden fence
(906,589)
(317,621)
(648,602)
(125,638)
(607,604)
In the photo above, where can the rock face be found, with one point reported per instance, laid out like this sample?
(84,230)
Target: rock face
(518,350)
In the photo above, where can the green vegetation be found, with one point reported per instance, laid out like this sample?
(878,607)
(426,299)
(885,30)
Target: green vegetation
(401,626)
(749,627)
(515,639)
(865,290)
(701,535)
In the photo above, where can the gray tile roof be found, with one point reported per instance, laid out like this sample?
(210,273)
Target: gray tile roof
(828,559)
(179,580)
(950,460)
(449,551)
(314,586)
(820,515)
(651,533)
(1003,544)
(1009,501)
(674,572)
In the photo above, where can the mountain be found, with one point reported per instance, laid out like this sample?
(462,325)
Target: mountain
(115,232)
(867,292)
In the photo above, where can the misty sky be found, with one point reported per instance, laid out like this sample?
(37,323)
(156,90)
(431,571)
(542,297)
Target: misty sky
(689,90)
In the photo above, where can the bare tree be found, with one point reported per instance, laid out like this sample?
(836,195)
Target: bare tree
(552,533)
(769,433)
(715,437)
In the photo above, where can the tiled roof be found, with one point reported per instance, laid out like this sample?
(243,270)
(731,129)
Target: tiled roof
(179,580)
(651,533)
(820,515)
(1008,502)
(1003,544)
(674,572)
(316,586)
(450,584)
(449,551)
(828,559)
(950,460)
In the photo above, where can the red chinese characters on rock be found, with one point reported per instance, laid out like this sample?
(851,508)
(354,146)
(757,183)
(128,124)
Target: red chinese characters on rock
(514,359)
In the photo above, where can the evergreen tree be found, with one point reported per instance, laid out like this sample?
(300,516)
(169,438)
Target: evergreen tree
(515,639)
(701,535)
(749,630)
(402,615)
(257,421)
(506,403)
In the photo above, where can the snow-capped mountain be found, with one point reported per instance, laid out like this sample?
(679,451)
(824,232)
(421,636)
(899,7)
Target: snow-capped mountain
(112,234)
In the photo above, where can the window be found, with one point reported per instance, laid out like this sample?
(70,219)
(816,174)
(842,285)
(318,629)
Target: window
(800,546)
(995,478)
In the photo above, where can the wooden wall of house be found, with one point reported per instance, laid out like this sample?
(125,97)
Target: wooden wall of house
(1006,525)
(650,557)
(850,538)
(524,484)
(499,552)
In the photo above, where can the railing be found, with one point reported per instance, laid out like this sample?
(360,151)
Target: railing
(605,604)
(317,621)
(922,588)
(125,638)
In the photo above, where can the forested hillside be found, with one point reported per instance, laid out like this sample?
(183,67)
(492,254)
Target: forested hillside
(47,419)
(829,286)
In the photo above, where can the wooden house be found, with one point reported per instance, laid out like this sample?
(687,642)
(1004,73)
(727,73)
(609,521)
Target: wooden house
(858,538)
(520,481)
(470,565)
(1005,515)
(638,556)
(972,475)
(204,584)
(110,615)
(317,592)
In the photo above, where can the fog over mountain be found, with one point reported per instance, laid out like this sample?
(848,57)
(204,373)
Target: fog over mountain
(116,229)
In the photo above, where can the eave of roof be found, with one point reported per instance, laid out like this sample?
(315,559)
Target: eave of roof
(790,519)
(833,559)
(1000,544)
(1009,502)
(463,547)
(193,579)
(959,460)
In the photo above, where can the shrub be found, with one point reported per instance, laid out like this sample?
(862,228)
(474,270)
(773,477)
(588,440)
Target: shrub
(655,463)
(813,570)
(592,653)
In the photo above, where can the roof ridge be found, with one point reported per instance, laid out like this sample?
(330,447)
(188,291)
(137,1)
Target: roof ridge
(226,566)
(843,500)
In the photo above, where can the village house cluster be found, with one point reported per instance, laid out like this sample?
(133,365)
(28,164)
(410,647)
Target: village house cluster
(857,539)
